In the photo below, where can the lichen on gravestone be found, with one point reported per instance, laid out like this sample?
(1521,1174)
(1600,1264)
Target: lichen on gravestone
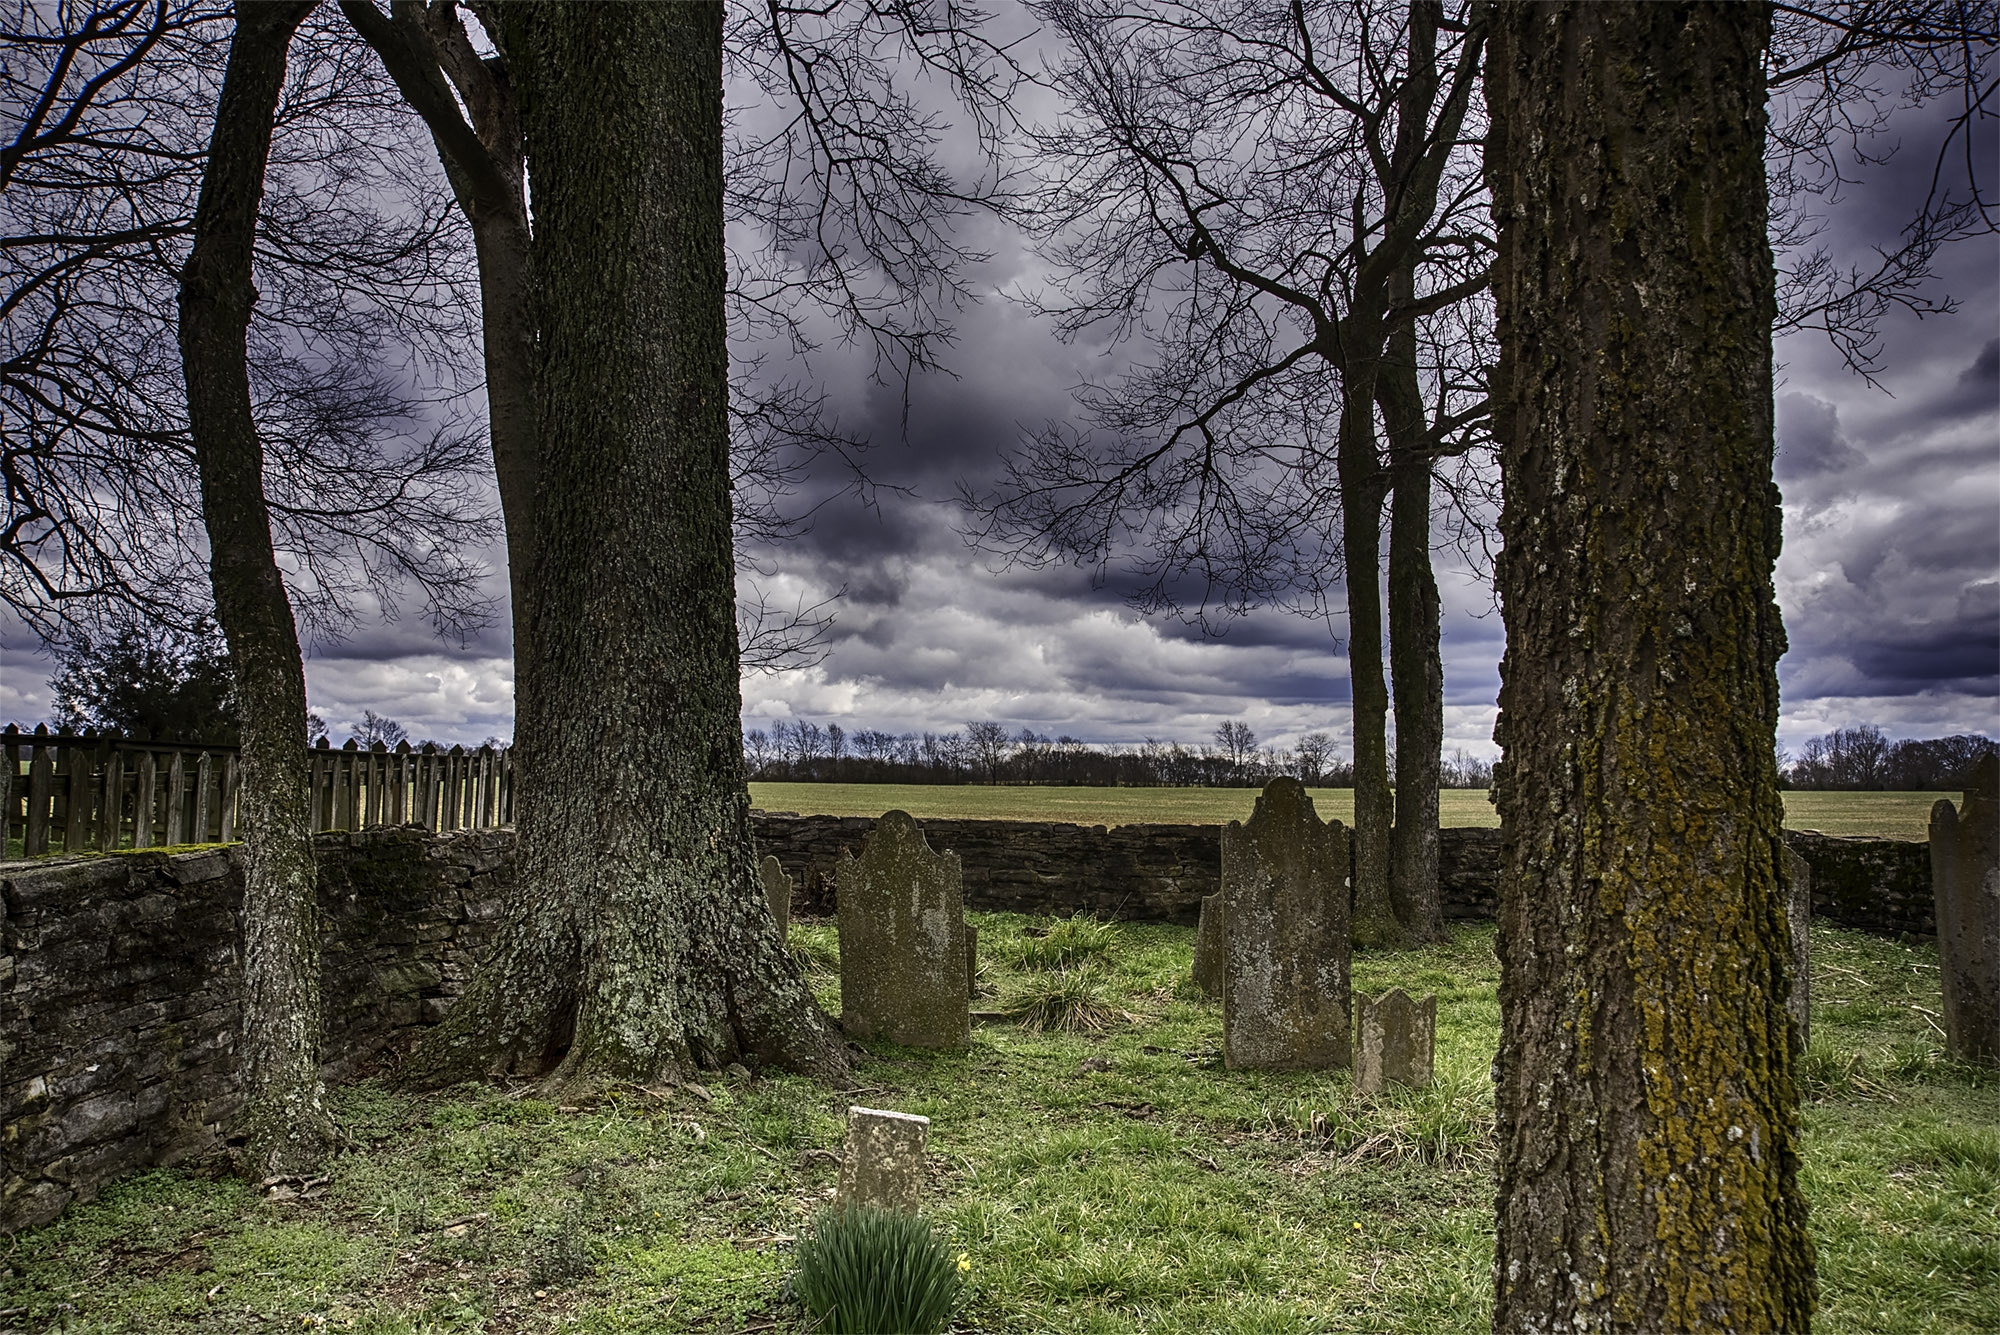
(904,962)
(1395,1041)
(1285,988)
(883,1165)
(1965,880)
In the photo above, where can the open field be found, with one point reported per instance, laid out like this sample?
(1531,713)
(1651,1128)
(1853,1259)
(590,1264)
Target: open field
(1149,1190)
(1881,815)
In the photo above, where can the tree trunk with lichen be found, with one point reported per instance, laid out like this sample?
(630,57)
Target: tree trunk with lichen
(1648,1118)
(640,945)
(284,1123)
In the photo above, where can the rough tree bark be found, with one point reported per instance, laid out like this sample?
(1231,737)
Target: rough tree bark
(1362,489)
(640,945)
(284,1122)
(1648,1118)
(1416,674)
(1416,666)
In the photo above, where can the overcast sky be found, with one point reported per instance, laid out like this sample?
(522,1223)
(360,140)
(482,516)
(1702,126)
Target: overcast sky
(1889,583)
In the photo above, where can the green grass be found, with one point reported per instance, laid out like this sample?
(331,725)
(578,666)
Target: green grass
(1881,815)
(1105,1181)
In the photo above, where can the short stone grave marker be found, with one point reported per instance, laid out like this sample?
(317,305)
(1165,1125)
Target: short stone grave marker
(778,890)
(905,963)
(1208,947)
(1965,879)
(1285,989)
(1396,1040)
(884,1161)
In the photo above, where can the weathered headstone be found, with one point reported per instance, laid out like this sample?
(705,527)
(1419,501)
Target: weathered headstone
(1965,878)
(1798,912)
(1395,1040)
(778,890)
(1285,990)
(1208,947)
(904,961)
(884,1161)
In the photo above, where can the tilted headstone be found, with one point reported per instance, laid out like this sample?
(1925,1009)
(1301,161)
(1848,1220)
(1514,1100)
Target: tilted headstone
(884,1162)
(1798,913)
(904,961)
(1208,947)
(1395,1040)
(1965,878)
(1285,988)
(778,890)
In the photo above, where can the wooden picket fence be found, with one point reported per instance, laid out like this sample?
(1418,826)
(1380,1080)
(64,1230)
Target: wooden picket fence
(75,793)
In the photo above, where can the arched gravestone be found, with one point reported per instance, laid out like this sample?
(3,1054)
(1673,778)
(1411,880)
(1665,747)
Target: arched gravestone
(1396,1041)
(1965,878)
(1285,989)
(904,961)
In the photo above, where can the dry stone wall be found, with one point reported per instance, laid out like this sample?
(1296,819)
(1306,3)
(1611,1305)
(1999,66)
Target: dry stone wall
(1160,873)
(120,981)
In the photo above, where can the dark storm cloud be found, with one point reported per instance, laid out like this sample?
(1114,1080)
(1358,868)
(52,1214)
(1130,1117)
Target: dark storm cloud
(1809,439)
(1978,388)
(1955,655)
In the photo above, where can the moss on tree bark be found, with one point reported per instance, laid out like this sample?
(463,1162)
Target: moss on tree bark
(1648,1116)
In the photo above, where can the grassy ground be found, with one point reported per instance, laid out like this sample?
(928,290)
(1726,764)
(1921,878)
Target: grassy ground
(1110,1181)
(1882,815)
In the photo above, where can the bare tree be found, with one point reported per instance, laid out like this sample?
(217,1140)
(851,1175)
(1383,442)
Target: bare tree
(1237,740)
(986,747)
(1836,72)
(1648,1115)
(285,1121)
(1285,197)
(353,342)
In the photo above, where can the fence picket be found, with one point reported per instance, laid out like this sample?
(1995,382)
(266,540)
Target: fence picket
(142,803)
(10,783)
(111,815)
(204,797)
(41,779)
(176,801)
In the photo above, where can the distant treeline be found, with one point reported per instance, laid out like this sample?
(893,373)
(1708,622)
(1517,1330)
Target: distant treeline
(1862,759)
(986,752)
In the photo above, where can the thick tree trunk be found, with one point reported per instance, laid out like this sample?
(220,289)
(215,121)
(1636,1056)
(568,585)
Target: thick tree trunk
(284,1123)
(1648,1117)
(1374,923)
(1416,671)
(640,945)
